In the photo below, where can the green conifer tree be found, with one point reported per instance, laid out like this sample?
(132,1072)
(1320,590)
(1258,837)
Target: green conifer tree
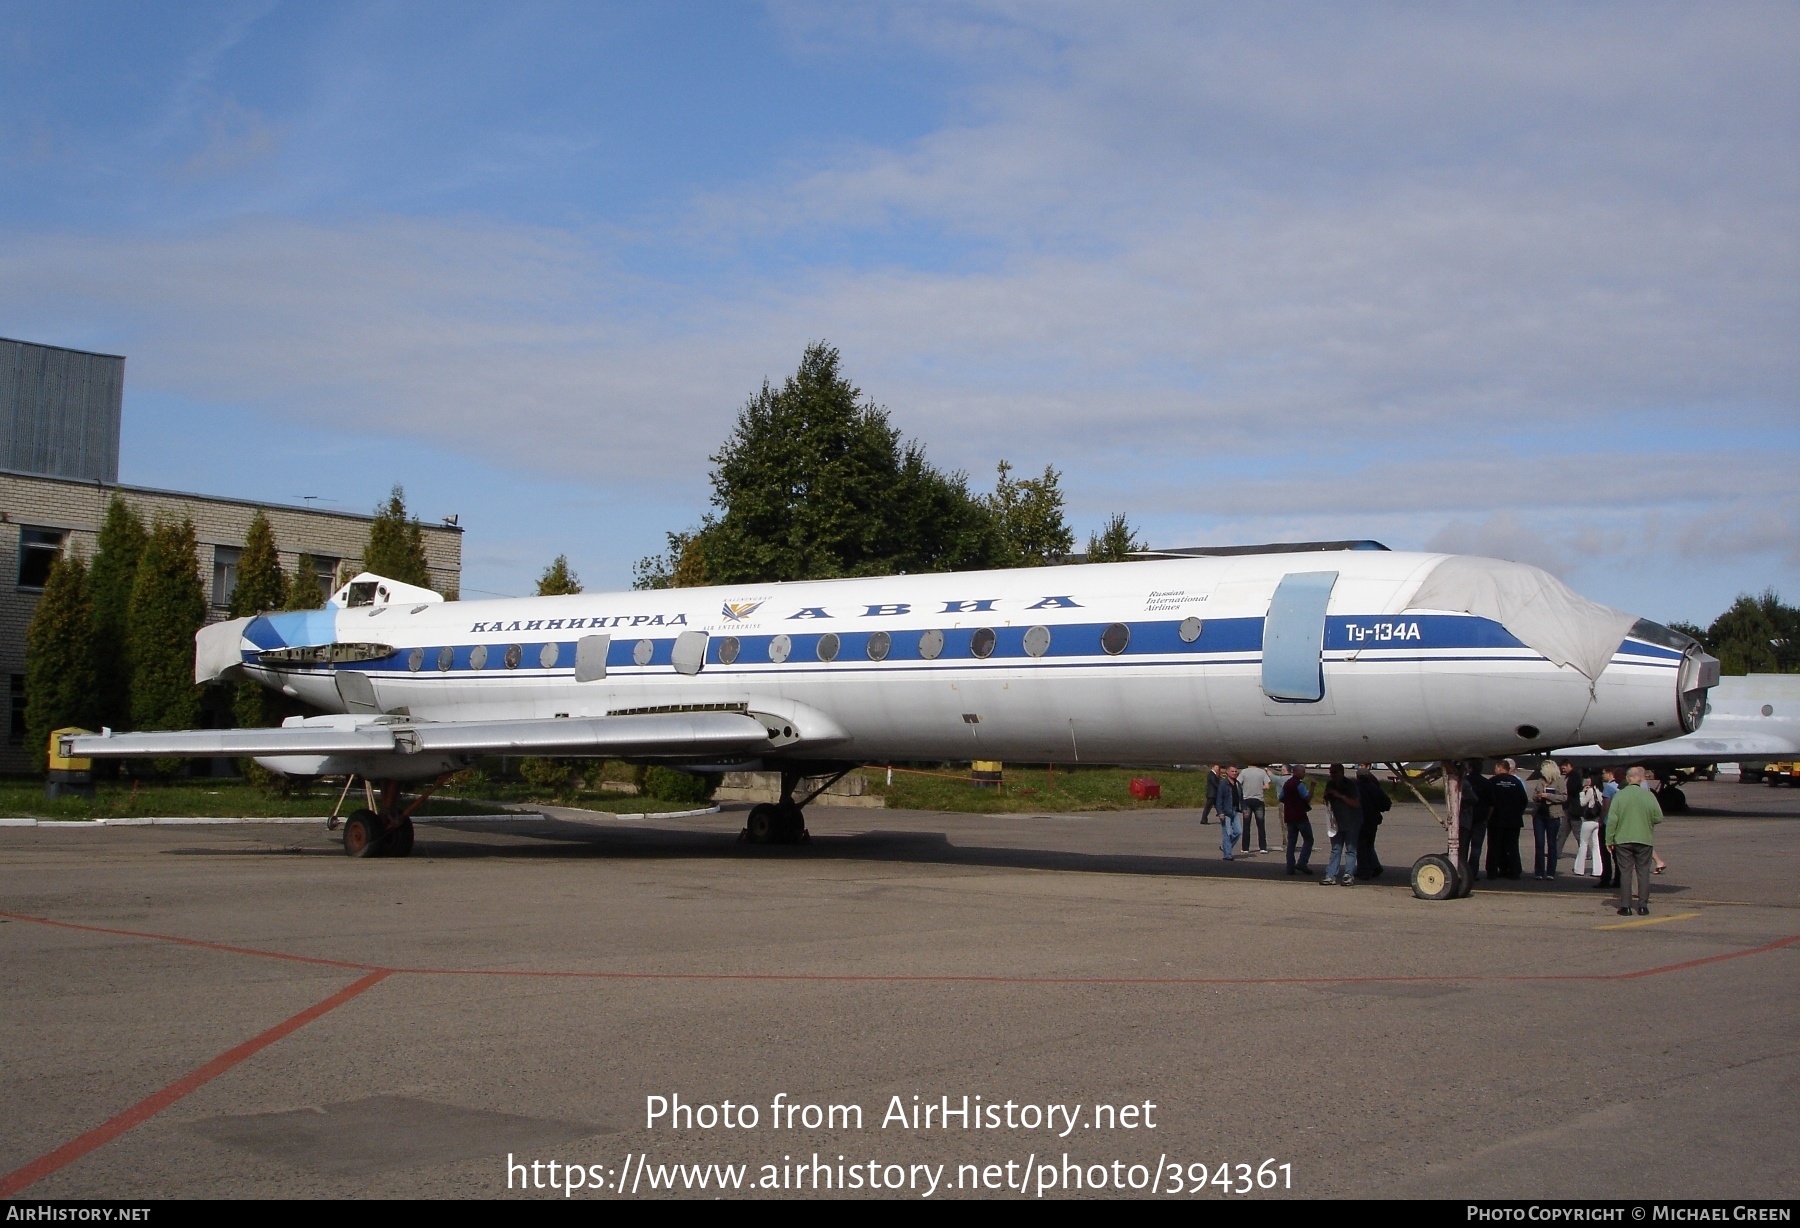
(168,605)
(59,656)
(396,546)
(1114,543)
(303,590)
(111,578)
(558,580)
(261,587)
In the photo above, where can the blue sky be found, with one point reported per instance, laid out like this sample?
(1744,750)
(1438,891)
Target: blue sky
(1521,281)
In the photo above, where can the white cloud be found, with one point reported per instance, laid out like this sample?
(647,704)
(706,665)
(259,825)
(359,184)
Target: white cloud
(1429,252)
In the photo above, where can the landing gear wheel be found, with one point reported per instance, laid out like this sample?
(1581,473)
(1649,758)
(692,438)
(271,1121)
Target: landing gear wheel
(792,824)
(764,824)
(1674,801)
(399,841)
(1465,883)
(1434,878)
(362,834)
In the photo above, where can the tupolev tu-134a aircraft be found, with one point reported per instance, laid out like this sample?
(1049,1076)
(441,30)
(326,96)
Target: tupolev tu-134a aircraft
(1311,653)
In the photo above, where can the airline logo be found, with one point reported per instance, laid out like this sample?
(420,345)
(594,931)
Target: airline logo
(738,611)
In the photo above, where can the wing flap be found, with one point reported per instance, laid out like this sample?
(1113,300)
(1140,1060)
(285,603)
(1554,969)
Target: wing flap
(211,743)
(662,733)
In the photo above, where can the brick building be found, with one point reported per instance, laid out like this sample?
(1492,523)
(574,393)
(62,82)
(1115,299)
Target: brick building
(59,447)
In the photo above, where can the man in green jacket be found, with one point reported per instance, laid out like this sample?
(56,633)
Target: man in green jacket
(1631,834)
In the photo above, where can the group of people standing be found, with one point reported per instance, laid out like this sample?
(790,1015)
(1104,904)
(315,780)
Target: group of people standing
(1612,820)
(1355,805)
(1615,838)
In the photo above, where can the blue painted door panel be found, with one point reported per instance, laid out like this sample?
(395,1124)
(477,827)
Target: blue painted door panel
(1294,637)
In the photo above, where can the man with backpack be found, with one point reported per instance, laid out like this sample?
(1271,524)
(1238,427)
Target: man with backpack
(1342,796)
(1375,803)
(1296,801)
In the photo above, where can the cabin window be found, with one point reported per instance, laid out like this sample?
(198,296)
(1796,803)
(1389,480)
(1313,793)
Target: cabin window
(642,651)
(514,654)
(38,549)
(981,644)
(547,656)
(828,646)
(446,658)
(1189,631)
(1115,638)
(478,657)
(225,574)
(931,644)
(1037,641)
(728,650)
(415,660)
(360,594)
(779,648)
(879,645)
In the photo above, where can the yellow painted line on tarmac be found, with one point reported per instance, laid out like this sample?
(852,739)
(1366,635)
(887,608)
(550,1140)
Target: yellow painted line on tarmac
(1626,925)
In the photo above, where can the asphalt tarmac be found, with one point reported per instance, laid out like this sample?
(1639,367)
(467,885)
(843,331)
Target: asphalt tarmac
(243,1011)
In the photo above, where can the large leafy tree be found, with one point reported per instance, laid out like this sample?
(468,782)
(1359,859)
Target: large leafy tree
(111,578)
(558,580)
(1757,635)
(813,482)
(261,586)
(396,546)
(168,605)
(1030,516)
(59,656)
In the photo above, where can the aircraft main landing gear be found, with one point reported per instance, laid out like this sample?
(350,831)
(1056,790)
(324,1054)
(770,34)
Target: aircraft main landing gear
(784,822)
(387,832)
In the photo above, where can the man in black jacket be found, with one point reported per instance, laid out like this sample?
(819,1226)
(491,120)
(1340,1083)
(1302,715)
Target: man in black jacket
(1212,792)
(1473,820)
(1509,800)
(1375,803)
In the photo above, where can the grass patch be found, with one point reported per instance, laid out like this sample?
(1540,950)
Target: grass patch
(23,797)
(1039,790)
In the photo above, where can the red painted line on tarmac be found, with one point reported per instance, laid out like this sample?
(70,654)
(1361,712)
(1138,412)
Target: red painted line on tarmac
(147,1108)
(150,1106)
(194,942)
(919,978)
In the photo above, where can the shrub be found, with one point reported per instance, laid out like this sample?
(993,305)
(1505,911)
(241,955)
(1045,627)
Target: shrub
(546,775)
(672,785)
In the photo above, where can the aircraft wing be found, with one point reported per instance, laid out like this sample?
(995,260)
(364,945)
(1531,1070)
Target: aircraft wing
(673,734)
(1710,744)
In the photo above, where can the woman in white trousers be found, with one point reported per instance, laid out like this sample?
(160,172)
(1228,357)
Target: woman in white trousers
(1593,805)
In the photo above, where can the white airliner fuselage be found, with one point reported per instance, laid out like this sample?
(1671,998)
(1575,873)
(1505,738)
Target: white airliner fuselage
(1293,655)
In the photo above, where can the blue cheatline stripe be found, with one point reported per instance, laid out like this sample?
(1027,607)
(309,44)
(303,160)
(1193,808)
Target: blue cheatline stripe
(1380,636)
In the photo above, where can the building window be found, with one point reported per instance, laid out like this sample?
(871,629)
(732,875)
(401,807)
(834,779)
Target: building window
(38,549)
(225,574)
(15,733)
(324,573)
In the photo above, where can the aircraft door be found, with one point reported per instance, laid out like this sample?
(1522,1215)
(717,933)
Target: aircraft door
(1293,665)
(689,654)
(356,691)
(590,657)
